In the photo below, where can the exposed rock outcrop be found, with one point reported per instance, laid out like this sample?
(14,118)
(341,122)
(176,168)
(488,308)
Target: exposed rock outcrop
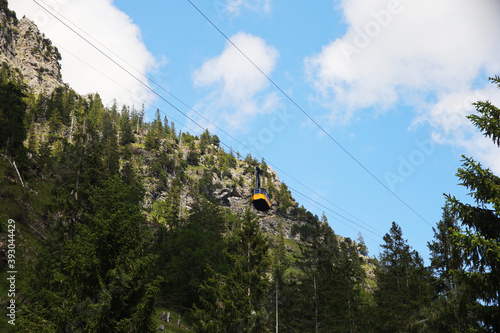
(24,47)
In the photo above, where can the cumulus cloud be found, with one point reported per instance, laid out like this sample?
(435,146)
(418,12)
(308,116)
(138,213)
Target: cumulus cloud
(425,54)
(447,117)
(234,7)
(105,25)
(237,88)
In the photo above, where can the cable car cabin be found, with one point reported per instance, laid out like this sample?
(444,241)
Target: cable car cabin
(260,199)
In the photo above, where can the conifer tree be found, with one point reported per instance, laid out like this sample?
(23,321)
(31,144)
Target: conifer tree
(94,111)
(234,302)
(187,250)
(403,283)
(349,276)
(279,266)
(12,110)
(362,249)
(100,280)
(126,127)
(110,145)
(326,297)
(480,240)
(446,256)
(157,124)
(166,126)
(449,310)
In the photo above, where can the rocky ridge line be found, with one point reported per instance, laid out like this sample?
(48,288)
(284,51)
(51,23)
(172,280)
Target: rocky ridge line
(24,47)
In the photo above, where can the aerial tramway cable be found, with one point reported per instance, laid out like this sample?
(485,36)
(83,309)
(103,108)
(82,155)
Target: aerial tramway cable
(175,107)
(308,116)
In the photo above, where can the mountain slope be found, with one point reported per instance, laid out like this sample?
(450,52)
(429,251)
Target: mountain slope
(103,201)
(22,46)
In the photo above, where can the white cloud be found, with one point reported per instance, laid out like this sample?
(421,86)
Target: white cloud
(450,126)
(234,7)
(409,52)
(238,88)
(110,27)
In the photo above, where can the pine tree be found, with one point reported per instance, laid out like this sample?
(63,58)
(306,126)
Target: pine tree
(185,252)
(326,297)
(449,311)
(279,267)
(157,124)
(126,127)
(110,145)
(446,257)
(349,276)
(403,284)
(234,302)
(12,111)
(479,240)
(99,280)
(362,249)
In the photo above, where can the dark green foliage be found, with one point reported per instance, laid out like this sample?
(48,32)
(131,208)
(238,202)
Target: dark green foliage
(403,284)
(226,174)
(327,298)
(205,141)
(251,163)
(305,230)
(279,267)
(206,187)
(234,301)
(479,238)
(186,251)
(226,160)
(60,106)
(4,7)
(362,249)
(488,120)
(12,111)
(152,141)
(193,158)
(110,145)
(450,311)
(94,110)
(104,245)
(156,133)
(446,256)
(100,278)
(126,135)
(215,141)
(284,199)
(157,125)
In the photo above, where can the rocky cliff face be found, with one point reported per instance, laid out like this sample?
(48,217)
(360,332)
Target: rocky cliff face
(24,47)
(232,191)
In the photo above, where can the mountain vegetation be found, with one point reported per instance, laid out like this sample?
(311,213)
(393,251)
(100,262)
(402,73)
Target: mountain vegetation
(118,219)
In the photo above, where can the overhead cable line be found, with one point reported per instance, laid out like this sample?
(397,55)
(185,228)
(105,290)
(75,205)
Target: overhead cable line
(121,86)
(177,109)
(340,215)
(330,217)
(121,66)
(307,115)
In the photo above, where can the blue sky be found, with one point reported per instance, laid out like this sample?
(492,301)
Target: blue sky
(390,81)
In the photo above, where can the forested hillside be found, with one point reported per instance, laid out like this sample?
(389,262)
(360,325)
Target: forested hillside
(108,220)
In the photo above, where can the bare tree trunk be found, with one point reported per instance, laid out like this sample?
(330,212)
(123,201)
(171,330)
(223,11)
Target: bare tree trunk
(18,174)
(315,303)
(277,291)
(248,270)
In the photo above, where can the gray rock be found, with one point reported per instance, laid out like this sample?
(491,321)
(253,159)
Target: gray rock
(23,46)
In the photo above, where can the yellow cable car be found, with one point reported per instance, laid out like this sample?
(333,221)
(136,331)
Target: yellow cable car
(260,199)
